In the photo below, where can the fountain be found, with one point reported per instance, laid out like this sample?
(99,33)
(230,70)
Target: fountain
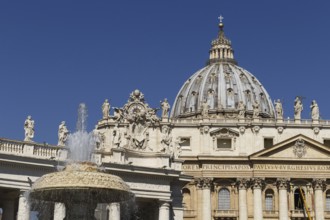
(81,185)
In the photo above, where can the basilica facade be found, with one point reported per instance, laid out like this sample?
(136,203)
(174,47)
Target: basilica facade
(223,150)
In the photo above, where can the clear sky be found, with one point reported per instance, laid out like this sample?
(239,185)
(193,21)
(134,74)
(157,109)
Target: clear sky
(56,54)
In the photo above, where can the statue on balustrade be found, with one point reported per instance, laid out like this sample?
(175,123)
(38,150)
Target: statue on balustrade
(298,108)
(165,108)
(241,110)
(278,109)
(29,129)
(106,109)
(315,111)
(205,109)
(63,133)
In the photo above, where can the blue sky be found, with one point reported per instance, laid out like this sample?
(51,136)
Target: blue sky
(56,54)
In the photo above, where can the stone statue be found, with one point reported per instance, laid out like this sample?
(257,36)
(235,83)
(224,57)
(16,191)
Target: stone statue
(165,108)
(241,110)
(118,114)
(205,109)
(98,137)
(116,136)
(315,112)
(62,134)
(298,108)
(152,116)
(29,129)
(106,109)
(166,139)
(256,109)
(278,109)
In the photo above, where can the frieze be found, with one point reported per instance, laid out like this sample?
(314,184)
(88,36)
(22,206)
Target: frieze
(291,167)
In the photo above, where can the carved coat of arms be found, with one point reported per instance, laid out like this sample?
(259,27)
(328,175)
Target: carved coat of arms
(300,149)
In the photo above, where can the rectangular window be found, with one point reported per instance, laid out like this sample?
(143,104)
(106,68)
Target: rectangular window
(268,142)
(224,143)
(185,141)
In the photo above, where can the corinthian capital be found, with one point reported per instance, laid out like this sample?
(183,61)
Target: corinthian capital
(282,183)
(318,184)
(204,182)
(242,183)
(257,183)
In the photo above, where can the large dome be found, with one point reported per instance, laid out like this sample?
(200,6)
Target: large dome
(223,86)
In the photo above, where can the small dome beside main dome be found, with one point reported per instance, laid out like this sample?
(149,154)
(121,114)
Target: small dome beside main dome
(222,85)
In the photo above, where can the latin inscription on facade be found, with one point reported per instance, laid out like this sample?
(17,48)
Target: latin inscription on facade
(288,167)
(217,167)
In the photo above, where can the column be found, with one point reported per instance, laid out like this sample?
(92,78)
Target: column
(164,211)
(242,185)
(114,211)
(318,185)
(205,206)
(257,184)
(23,207)
(282,185)
(59,211)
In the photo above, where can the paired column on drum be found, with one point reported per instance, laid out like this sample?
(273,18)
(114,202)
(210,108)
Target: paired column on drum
(23,207)
(242,185)
(319,185)
(257,185)
(205,184)
(282,185)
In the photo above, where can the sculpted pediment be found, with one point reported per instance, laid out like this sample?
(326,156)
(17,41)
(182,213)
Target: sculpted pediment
(296,148)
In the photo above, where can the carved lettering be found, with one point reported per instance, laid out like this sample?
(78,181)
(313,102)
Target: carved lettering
(225,167)
(291,167)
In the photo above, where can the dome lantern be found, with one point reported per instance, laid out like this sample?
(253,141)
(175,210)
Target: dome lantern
(221,50)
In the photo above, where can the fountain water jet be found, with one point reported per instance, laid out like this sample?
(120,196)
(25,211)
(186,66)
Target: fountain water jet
(81,185)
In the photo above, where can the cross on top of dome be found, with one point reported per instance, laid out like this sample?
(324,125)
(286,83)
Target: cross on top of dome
(220,18)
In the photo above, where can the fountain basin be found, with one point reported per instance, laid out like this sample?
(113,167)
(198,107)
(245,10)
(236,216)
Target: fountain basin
(80,186)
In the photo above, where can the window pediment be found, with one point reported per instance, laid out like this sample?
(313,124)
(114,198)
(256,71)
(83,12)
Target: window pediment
(224,133)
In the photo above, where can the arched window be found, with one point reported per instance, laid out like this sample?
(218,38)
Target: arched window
(269,200)
(224,199)
(327,201)
(298,200)
(186,199)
